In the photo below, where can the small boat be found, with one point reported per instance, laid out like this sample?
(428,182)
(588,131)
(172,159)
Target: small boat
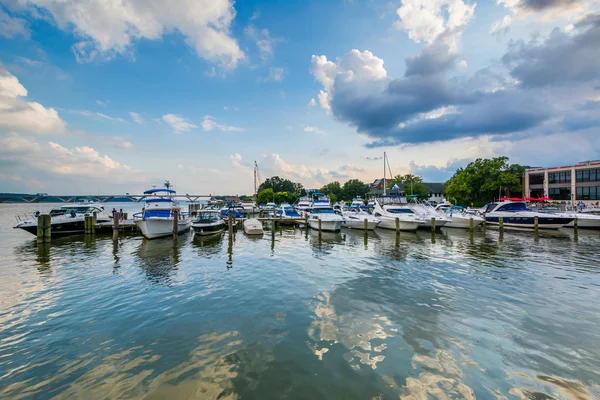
(398,213)
(323,214)
(288,215)
(237,211)
(515,214)
(67,220)
(354,218)
(208,222)
(459,218)
(253,226)
(157,218)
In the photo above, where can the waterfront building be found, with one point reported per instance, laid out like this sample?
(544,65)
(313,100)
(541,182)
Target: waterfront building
(574,183)
(434,190)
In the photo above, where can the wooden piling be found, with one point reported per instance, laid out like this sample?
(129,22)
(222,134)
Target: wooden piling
(87,224)
(94,221)
(44,228)
(471,224)
(230,222)
(115,225)
(536,223)
(397,225)
(125,216)
(576,223)
(319,226)
(432,224)
(501,223)
(175,224)
(366,225)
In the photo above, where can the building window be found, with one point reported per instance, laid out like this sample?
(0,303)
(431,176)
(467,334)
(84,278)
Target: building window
(559,177)
(560,193)
(536,179)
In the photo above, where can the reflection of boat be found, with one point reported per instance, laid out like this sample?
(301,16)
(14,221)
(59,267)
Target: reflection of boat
(68,219)
(391,213)
(458,217)
(515,214)
(158,258)
(253,226)
(208,222)
(156,219)
(323,214)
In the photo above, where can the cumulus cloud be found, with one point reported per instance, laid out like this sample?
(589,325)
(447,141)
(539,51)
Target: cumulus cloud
(11,27)
(108,28)
(312,102)
(209,124)
(137,118)
(178,123)
(19,115)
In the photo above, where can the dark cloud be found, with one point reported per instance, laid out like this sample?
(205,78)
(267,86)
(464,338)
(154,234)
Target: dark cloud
(434,59)
(563,58)
(541,5)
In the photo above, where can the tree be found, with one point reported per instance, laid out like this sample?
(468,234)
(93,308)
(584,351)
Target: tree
(482,180)
(408,178)
(352,188)
(333,188)
(418,189)
(265,196)
(280,185)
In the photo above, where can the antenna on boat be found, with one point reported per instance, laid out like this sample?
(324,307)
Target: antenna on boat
(167,184)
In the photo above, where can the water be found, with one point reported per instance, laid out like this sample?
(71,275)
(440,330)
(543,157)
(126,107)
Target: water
(419,317)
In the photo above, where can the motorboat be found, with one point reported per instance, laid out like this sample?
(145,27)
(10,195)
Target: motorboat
(354,218)
(67,220)
(584,220)
(323,216)
(288,215)
(269,209)
(357,202)
(249,208)
(208,222)
(459,218)
(253,226)
(515,214)
(396,216)
(427,213)
(157,218)
(237,211)
(304,204)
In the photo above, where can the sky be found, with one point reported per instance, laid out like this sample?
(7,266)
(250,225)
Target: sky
(115,96)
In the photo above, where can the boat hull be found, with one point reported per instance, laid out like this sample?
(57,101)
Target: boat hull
(403,225)
(327,226)
(62,228)
(584,223)
(153,228)
(426,224)
(357,224)
(529,222)
(208,229)
(461,222)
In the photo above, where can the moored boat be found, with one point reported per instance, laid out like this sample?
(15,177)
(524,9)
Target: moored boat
(288,215)
(67,220)
(354,218)
(459,218)
(396,216)
(208,222)
(322,216)
(253,226)
(515,214)
(157,218)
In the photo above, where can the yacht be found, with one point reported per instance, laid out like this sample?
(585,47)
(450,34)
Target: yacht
(208,222)
(354,218)
(459,218)
(156,219)
(249,208)
(67,220)
(391,212)
(584,220)
(321,210)
(289,215)
(426,213)
(357,202)
(304,204)
(515,214)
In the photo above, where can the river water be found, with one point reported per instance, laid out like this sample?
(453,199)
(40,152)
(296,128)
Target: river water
(291,316)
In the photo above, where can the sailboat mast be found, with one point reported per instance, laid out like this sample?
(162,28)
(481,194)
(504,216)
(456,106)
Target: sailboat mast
(384,166)
(255,171)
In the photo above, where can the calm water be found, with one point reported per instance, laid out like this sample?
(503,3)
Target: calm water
(417,318)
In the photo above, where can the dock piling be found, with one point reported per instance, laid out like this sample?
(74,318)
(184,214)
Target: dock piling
(94,221)
(175,224)
(536,223)
(44,228)
(432,224)
(397,225)
(230,222)
(366,225)
(471,224)
(115,225)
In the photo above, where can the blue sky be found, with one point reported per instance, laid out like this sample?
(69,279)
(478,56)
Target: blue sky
(115,96)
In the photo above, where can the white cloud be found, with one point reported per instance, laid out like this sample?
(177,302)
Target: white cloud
(137,118)
(96,115)
(11,27)
(312,103)
(117,141)
(255,15)
(178,123)
(275,75)
(108,28)
(209,124)
(237,162)
(19,115)
(314,129)
(102,103)
(264,41)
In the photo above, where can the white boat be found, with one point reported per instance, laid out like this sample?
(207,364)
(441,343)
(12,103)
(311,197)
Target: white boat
(515,214)
(459,218)
(249,208)
(253,226)
(208,222)
(389,213)
(304,204)
(288,214)
(322,213)
(156,219)
(357,202)
(354,218)
(426,213)
(67,220)
(584,220)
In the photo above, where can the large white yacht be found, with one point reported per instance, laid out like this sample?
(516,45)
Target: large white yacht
(584,220)
(354,218)
(304,204)
(392,211)
(156,219)
(459,218)
(515,214)
(249,208)
(67,220)
(426,213)
(321,210)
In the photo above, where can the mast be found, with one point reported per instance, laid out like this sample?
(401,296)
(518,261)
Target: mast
(384,166)
(255,173)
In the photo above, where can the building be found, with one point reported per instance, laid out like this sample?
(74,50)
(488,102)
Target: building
(579,182)
(434,190)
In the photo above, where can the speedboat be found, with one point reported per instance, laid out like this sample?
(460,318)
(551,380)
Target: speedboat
(427,213)
(322,213)
(156,219)
(269,209)
(253,226)
(584,220)
(67,220)
(392,213)
(288,215)
(515,214)
(459,218)
(208,222)
(237,211)
(354,218)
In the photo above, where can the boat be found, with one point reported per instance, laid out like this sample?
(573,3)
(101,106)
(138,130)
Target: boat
(515,214)
(357,202)
(354,218)
(288,215)
(269,209)
(459,218)
(156,219)
(304,204)
(67,220)
(584,220)
(237,211)
(396,215)
(427,213)
(253,226)
(248,208)
(208,222)
(322,215)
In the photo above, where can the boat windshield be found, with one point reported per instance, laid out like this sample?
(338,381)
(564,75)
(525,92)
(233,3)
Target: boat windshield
(77,209)
(290,212)
(512,207)
(323,211)
(399,211)
(208,216)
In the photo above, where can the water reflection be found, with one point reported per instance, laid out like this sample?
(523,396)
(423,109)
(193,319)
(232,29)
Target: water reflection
(208,246)
(325,242)
(159,258)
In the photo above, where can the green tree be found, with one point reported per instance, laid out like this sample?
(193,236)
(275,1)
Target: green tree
(280,185)
(265,196)
(352,188)
(417,188)
(333,188)
(482,180)
(333,198)
(408,178)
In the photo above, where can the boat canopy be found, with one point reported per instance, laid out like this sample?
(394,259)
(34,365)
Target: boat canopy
(159,190)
